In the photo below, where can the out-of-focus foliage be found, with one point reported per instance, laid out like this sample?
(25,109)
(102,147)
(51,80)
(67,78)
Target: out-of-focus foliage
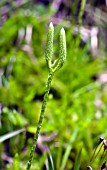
(72,100)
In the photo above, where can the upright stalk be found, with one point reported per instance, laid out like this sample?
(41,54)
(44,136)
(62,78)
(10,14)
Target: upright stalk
(53,67)
(40,119)
(81,12)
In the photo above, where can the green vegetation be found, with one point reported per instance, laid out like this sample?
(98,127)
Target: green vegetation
(75,115)
(52,68)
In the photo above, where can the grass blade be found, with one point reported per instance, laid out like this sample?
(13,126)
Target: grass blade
(11,134)
(68,150)
(77,161)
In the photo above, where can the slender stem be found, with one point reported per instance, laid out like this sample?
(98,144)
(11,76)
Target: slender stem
(82,7)
(40,119)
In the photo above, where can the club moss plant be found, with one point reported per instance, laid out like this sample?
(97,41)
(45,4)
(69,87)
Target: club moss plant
(53,67)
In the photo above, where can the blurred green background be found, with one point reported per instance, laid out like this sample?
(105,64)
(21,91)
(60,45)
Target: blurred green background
(76,113)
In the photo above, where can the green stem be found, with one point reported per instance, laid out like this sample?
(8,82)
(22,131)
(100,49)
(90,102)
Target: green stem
(82,7)
(40,119)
